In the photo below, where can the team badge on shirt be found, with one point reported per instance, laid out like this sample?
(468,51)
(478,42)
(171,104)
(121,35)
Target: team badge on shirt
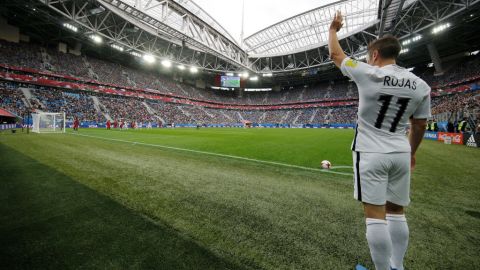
(351,63)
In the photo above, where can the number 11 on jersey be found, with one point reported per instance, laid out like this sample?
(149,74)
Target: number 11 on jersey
(386,100)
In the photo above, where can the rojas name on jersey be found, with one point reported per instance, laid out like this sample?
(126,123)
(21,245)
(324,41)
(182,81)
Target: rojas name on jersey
(395,82)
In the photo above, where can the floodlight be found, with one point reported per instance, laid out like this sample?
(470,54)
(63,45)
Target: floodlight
(166,63)
(70,27)
(193,70)
(181,67)
(267,75)
(96,38)
(440,28)
(474,52)
(411,40)
(117,47)
(229,74)
(134,53)
(404,51)
(149,58)
(244,75)
(255,78)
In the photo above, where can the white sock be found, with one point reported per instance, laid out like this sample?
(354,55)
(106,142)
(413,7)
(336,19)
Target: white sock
(379,242)
(398,228)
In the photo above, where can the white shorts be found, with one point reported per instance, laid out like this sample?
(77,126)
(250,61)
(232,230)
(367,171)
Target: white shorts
(382,177)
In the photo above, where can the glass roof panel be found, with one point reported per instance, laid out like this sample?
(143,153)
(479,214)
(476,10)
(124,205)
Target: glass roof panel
(310,28)
(153,8)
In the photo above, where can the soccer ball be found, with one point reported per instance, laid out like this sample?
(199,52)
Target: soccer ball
(326,164)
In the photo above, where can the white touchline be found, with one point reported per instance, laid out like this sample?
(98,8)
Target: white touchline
(342,167)
(220,155)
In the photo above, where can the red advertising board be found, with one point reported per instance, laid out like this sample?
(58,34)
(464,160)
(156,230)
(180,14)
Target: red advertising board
(457,138)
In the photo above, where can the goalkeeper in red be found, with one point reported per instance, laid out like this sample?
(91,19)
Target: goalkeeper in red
(389,98)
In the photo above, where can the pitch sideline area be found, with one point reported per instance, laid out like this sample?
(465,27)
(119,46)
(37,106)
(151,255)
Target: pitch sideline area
(71,201)
(332,170)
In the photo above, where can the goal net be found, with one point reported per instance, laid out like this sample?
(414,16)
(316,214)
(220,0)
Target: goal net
(46,122)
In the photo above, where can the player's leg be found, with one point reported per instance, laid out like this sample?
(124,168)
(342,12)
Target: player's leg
(398,196)
(378,236)
(399,233)
(371,181)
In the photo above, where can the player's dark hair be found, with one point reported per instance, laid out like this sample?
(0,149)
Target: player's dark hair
(388,47)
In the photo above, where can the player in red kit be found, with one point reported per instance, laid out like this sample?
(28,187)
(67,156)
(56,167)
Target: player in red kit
(108,124)
(115,124)
(76,123)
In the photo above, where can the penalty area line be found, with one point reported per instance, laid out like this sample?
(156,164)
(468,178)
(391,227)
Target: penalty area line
(216,154)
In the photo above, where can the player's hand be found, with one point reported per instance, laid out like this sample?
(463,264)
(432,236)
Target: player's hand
(412,162)
(337,22)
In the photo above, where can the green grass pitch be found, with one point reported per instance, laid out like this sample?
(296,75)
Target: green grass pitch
(159,199)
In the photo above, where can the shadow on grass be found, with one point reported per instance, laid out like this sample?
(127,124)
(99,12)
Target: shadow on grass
(50,221)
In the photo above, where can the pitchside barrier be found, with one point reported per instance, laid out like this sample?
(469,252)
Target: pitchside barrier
(7,126)
(92,124)
(468,139)
(471,140)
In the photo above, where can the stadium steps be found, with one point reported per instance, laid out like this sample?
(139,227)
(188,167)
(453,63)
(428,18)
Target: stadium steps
(87,65)
(46,58)
(183,90)
(25,100)
(29,96)
(185,112)
(262,118)
(151,111)
(98,105)
(313,115)
(300,97)
(327,94)
(226,115)
(207,113)
(240,116)
(298,116)
(350,90)
(285,117)
(129,80)
(329,113)
(265,99)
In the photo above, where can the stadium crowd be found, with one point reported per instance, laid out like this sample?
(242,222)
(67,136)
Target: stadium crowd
(89,68)
(100,107)
(81,105)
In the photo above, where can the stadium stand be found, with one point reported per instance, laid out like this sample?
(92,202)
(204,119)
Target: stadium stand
(101,93)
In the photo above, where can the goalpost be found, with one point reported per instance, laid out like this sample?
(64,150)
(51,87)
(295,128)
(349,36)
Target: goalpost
(47,122)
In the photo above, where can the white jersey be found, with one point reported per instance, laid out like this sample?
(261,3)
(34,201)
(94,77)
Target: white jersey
(388,97)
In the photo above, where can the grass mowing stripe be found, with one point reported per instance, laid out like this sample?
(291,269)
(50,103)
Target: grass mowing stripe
(217,154)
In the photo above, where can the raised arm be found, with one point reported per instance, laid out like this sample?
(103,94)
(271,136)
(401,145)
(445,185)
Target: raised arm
(417,130)
(336,53)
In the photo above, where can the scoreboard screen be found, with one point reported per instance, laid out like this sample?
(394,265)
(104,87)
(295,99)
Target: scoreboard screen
(230,81)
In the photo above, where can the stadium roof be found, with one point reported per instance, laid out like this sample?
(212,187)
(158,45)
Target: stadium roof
(310,29)
(5,113)
(292,49)
(155,10)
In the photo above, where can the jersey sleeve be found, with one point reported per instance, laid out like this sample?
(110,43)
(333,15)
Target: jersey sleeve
(423,110)
(354,69)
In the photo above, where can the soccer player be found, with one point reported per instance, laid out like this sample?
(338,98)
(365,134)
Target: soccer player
(76,123)
(108,124)
(389,98)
